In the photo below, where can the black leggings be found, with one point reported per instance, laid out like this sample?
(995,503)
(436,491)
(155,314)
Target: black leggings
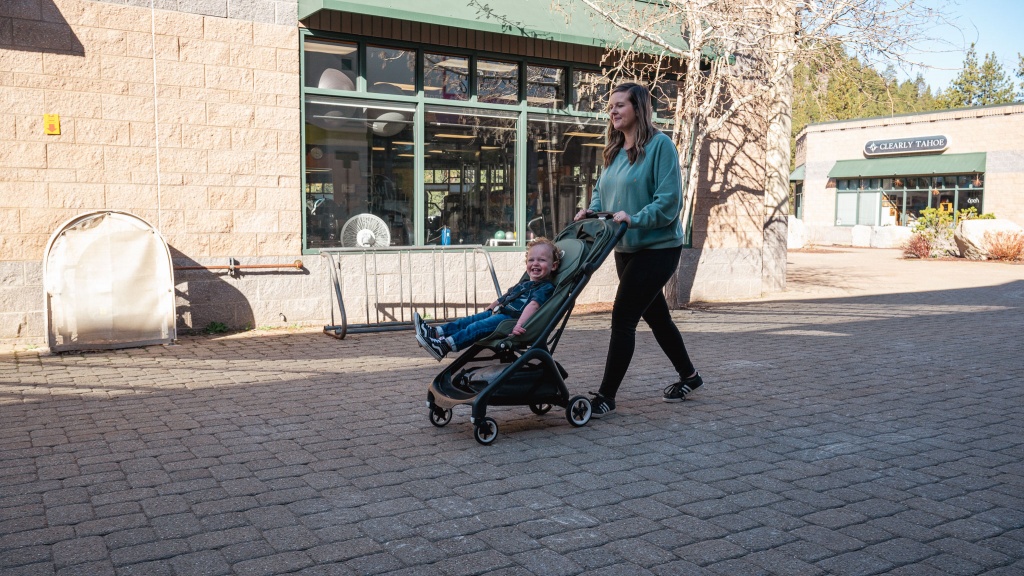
(642,275)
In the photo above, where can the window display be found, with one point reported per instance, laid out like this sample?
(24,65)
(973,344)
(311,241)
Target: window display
(358,162)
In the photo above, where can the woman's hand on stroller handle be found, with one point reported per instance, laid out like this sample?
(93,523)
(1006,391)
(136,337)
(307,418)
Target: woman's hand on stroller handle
(619,217)
(600,215)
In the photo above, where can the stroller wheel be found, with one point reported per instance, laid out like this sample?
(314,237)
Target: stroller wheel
(439,417)
(578,411)
(540,409)
(486,431)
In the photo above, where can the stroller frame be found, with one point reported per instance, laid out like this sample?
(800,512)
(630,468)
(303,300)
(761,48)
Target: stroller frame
(527,373)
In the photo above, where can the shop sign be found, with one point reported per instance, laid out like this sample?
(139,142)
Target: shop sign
(916,145)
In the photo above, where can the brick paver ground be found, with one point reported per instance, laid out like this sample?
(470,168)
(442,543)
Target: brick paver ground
(842,430)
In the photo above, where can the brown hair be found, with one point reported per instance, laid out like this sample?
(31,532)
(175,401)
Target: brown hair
(640,98)
(556,254)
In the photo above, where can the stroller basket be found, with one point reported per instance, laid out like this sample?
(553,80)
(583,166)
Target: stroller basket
(506,370)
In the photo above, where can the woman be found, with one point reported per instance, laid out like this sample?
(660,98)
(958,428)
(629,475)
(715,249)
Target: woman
(641,185)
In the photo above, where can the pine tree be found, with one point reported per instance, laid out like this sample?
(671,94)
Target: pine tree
(1020,74)
(852,90)
(979,85)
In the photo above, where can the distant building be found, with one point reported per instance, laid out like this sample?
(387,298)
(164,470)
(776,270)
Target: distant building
(882,172)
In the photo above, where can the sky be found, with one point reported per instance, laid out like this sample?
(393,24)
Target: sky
(993,25)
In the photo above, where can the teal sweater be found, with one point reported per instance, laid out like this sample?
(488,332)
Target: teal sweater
(650,191)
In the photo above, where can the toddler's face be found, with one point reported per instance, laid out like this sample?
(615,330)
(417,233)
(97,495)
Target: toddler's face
(540,262)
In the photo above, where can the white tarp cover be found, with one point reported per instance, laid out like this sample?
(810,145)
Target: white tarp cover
(109,283)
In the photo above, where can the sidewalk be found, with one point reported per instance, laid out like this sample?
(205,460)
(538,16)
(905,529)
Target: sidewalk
(870,420)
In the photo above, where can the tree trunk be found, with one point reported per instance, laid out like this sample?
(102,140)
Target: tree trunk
(780,104)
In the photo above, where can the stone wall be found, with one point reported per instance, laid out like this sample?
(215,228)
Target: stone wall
(190,122)
(732,256)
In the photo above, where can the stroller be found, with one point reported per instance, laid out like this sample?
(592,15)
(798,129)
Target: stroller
(525,373)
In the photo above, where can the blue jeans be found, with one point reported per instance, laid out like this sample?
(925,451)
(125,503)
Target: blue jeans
(468,330)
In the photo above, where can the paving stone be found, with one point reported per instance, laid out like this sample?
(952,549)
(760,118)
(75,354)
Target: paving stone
(243,453)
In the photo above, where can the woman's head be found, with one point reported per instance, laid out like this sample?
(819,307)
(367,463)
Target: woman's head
(542,258)
(630,110)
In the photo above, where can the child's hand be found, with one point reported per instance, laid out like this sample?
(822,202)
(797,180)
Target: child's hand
(518,330)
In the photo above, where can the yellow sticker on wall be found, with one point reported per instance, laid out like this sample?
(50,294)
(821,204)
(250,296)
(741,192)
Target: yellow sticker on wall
(51,124)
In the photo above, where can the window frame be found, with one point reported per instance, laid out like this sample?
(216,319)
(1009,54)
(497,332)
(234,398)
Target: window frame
(419,100)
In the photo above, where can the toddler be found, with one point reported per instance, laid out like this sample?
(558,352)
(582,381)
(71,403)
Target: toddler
(520,302)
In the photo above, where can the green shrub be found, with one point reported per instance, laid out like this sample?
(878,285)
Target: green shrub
(216,328)
(936,227)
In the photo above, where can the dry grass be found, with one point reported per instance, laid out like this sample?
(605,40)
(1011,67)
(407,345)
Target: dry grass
(1008,246)
(917,247)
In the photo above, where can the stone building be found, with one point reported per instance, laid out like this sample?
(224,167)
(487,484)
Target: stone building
(865,181)
(256,137)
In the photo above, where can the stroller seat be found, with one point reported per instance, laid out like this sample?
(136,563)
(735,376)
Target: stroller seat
(573,251)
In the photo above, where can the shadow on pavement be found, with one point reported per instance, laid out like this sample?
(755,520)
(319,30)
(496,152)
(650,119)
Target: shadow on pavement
(869,434)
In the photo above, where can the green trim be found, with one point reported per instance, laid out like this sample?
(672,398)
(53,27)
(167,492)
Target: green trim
(797,175)
(973,163)
(522,18)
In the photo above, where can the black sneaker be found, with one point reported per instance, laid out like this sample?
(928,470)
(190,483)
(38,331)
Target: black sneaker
(422,330)
(601,406)
(437,347)
(417,324)
(677,392)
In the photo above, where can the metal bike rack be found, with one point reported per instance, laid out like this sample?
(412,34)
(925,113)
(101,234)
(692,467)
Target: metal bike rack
(385,310)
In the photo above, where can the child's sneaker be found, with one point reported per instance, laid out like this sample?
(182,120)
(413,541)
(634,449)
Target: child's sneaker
(422,328)
(677,392)
(437,347)
(601,405)
(418,325)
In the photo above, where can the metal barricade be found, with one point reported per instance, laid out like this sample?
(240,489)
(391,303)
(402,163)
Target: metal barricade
(442,282)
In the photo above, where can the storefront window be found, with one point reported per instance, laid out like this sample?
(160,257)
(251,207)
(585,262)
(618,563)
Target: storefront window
(445,76)
(564,158)
(360,183)
(469,164)
(969,199)
(846,209)
(903,198)
(917,201)
(869,205)
(892,209)
(943,200)
(665,93)
(390,71)
(591,91)
(331,65)
(545,86)
(359,173)
(497,82)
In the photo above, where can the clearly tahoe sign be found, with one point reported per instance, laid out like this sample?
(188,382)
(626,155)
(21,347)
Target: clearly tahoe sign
(916,145)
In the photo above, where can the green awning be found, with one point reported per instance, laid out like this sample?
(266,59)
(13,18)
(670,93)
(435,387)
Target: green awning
(798,174)
(973,163)
(526,18)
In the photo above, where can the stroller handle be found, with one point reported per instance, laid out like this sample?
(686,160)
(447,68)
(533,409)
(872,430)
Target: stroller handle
(623,226)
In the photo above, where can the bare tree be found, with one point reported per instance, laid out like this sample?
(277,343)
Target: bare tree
(729,54)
